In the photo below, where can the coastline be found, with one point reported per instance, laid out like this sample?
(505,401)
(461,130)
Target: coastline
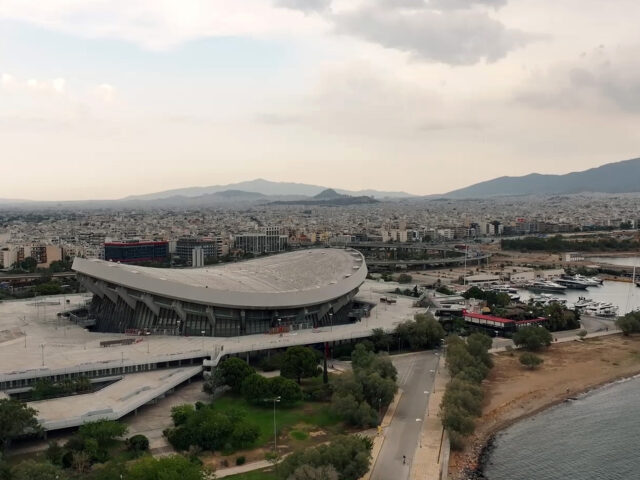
(507,406)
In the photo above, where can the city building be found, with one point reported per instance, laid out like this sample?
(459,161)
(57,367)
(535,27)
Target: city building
(185,246)
(136,251)
(259,243)
(303,289)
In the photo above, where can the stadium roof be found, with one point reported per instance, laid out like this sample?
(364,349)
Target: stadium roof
(294,279)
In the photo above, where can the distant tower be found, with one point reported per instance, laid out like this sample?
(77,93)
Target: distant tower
(197,257)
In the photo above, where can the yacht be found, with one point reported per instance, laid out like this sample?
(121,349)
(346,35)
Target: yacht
(546,286)
(547,299)
(572,283)
(590,281)
(508,289)
(583,303)
(602,309)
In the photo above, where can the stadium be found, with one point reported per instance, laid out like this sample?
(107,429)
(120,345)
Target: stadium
(281,293)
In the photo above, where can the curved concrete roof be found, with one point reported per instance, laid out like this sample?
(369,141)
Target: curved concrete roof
(287,280)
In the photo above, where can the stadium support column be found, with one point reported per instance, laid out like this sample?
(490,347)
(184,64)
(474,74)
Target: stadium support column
(243,322)
(212,320)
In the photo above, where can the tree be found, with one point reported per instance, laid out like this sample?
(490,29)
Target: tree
(288,390)
(256,388)
(233,371)
(530,360)
(381,341)
(175,467)
(348,454)
(103,431)
(582,334)
(29,264)
(405,278)
(138,444)
(378,392)
(54,453)
(30,470)
(307,472)
(629,323)
(423,331)
(532,338)
(81,462)
(299,362)
(181,413)
(361,357)
(16,418)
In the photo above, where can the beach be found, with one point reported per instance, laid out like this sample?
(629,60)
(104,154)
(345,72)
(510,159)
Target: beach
(513,393)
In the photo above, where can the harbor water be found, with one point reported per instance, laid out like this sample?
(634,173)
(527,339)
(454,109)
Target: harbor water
(592,437)
(625,295)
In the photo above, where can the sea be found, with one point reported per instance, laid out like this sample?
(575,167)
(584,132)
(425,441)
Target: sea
(595,436)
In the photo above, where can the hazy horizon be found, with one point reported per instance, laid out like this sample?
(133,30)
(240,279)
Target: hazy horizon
(102,100)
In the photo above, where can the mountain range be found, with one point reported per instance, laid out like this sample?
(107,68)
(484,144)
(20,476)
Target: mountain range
(618,177)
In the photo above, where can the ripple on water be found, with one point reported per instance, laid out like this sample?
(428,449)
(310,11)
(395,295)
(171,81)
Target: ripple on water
(594,437)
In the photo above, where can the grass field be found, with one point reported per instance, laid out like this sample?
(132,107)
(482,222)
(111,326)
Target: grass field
(304,417)
(265,474)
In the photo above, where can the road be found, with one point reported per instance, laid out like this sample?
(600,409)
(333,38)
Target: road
(416,373)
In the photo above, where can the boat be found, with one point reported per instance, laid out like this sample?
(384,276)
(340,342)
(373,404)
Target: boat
(508,289)
(545,299)
(572,283)
(583,303)
(546,286)
(590,281)
(602,309)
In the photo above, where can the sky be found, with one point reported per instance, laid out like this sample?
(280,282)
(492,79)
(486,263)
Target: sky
(103,99)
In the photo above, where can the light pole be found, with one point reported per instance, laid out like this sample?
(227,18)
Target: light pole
(275,432)
(202,332)
(178,327)
(42,348)
(331,320)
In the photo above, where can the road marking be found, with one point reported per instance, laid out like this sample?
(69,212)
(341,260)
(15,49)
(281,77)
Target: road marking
(426,391)
(418,419)
(432,371)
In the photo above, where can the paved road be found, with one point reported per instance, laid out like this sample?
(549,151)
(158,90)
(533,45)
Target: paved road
(416,373)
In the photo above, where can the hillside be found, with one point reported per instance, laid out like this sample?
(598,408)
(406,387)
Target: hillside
(619,177)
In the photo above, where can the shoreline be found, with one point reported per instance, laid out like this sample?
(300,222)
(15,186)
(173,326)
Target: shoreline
(488,446)
(470,462)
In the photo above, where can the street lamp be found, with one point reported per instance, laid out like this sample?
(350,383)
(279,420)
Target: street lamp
(178,327)
(42,347)
(275,434)
(202,332)
(331,320)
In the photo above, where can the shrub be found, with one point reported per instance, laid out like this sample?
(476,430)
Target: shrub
(532,338)
(241,460)
(138,444)
(54,453)
(456,441)
(405,278)
(530,360)
(630,323)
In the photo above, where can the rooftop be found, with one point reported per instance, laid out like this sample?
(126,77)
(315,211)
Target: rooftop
(285,280)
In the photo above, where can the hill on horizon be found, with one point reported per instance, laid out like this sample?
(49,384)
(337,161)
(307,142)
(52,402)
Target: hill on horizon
(265,187)
(617,177)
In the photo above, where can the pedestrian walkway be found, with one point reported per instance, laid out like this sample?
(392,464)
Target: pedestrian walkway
(247,467)
(432,453)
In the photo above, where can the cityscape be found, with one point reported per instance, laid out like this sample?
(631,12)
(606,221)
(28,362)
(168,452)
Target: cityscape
(319,240)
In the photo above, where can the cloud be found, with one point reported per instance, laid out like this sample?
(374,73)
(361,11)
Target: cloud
(306,6)
(464,4)
(458,37)
(54,86)
(599,79)
(160,25)
(105,92)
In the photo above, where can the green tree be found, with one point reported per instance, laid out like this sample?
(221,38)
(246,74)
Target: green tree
(16,419)
(175,467)
(103,431)
(405,278)
(378,392)
(299,362)
(422,332)
(29,264)
(54,453)
(348,455)
(138,444)
(532,338)
(530,360)
(629,323)
(288,390)
(256,388)
(181,413)
(307,472)
(233,371)
(380,339)
(31,470)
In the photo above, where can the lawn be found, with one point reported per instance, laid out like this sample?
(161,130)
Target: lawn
(264,474)
(305,416)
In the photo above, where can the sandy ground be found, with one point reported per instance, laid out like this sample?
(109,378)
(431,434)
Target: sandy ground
(513,392)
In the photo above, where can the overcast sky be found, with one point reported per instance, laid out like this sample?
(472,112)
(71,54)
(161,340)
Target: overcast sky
(102,99)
